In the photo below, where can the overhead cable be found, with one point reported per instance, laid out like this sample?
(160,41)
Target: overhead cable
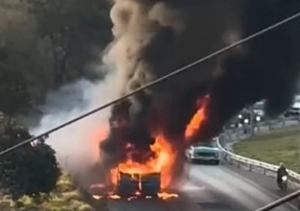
(156,81)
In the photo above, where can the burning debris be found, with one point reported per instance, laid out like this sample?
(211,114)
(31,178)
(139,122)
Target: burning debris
(147,170)
(138,170)
(198,119)
(149,132)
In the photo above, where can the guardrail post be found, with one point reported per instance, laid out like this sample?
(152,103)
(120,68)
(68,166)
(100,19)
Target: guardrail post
(251,121)
(258,127)
(270,125)
(250,164)
(228,159)
(283,122)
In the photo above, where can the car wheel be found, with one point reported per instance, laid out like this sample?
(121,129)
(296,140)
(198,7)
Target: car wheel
(217,162)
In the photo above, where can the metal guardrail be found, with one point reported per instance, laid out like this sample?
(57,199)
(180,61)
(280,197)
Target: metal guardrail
(280,201)
(271,124)
(252,164)
(231,157)
(277,123)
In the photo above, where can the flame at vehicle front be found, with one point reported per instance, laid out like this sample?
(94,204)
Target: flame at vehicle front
(160,160)
(198,119)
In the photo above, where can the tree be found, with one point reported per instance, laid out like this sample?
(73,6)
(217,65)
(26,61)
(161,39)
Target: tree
(14,94)
(16,53)
(45,44)
(73,27)
(29,170)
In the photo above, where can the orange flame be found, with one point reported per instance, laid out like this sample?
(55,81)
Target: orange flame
(197,120)
(166,196)
(159,159)
(163,196)
(162,162)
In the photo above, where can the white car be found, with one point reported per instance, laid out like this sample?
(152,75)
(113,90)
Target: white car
(204,151)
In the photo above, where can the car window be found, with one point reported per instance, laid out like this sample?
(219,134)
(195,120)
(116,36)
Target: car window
(211,143)
(259,106)
(293,109)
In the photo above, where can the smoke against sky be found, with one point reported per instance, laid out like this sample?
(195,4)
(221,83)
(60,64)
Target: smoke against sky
(152,38)
(183,31)
(267,68)
(77,145)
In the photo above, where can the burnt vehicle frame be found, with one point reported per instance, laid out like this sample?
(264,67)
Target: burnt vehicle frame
(139,185)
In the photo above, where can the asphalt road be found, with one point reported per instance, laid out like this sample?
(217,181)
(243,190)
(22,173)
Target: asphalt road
(247,189)
(234,135)
(213,188)
(216,188)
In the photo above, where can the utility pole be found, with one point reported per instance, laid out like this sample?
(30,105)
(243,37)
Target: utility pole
(299,146)
(252,120)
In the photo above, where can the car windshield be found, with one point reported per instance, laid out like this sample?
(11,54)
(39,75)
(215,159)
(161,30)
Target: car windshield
(259,105)
(211,143)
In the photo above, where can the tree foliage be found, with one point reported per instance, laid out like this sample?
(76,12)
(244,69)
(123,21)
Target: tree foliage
(66,196)
(29,170)
(74,28)
(45,44)
(14,94)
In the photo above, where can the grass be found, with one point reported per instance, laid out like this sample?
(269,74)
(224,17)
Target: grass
(65,198)
(278,146)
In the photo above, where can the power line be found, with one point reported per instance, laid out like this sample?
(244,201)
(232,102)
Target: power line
(159,80)
(280,201)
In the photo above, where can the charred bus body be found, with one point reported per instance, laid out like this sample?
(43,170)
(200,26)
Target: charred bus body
(138,184)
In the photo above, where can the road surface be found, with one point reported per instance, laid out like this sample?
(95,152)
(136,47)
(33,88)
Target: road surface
(213,188)
(216,188)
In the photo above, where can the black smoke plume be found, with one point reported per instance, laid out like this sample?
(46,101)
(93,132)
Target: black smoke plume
(155,37)
(267,67)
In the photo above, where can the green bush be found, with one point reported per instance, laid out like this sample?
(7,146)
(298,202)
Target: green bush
(28,170)
(57,200)
(275,147)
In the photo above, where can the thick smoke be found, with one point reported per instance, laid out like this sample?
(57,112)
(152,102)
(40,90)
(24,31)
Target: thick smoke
(153,38)
(77,146)
(267,68)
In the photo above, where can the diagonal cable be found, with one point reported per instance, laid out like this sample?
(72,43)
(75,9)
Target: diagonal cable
(158,80)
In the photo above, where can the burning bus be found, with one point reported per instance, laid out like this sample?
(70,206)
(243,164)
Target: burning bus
(140,178)
(145,164)
(129,185)
(147,178)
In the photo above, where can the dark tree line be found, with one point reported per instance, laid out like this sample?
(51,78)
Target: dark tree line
(47,44)
(73,28)
(44,44)
(28,170)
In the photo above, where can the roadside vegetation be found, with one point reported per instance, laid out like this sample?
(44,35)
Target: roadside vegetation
(65,197)
(44,45)
(31,180)
(277,146)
